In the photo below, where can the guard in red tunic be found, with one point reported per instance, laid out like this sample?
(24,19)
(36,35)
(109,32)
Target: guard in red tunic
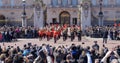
(40,32)
(59,33)
(0,37)
(64,32)
(48,33)
(52,32)
(44,32)
(55,34)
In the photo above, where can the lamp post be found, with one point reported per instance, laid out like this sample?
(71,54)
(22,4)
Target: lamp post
(6,21)
(100,14)
(24,24)
(45,14)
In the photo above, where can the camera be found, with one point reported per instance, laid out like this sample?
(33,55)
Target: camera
(112,53)
(29,44)
(83,43)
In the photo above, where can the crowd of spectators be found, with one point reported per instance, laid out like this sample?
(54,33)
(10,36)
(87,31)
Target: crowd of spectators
(8,34)
(98,32)
(32,53)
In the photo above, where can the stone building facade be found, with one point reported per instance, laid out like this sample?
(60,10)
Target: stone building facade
(61,11)
(12,11)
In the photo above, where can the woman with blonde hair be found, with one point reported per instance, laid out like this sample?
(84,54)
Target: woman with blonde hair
(83,57)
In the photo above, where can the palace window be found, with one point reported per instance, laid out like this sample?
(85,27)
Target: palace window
(118,2)
(74,2)
(117,16)
(1,4)
(117,12)
(54,20)
(74,21)
(64,2)
(105,2)
(94,2)
(12,3)
(106,12)
(54,2)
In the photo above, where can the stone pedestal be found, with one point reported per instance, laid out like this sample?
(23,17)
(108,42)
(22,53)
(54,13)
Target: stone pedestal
(85,15)
(24,21)
(38,19)
(85,21)
(38,14)
(101,23)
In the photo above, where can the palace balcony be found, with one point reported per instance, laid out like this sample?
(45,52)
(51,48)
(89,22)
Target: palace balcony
(16,7)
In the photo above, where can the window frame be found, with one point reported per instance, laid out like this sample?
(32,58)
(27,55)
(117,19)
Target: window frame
(94,2)
(117,2)
(105,2)
(1,3)
(74,4)
(63,3)
(12,3)
(54,2)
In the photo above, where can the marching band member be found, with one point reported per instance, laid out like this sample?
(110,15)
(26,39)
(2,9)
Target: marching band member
(79,33)
(48,33)
(55,35)
(68,33)
(64,34)
(40,32)
(72,33)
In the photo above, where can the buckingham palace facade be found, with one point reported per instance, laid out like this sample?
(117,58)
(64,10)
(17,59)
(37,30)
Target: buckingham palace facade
(59,11)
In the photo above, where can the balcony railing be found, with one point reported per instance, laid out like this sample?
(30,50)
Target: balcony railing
(106,6)
(62,6)
(117,5)
(15,7)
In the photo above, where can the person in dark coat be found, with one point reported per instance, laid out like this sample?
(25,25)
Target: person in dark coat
(79,33)
(64,34)
(95,46)
(72,35)
(105,36)
(111,34)
(83,58)
(55,36)
(115,33)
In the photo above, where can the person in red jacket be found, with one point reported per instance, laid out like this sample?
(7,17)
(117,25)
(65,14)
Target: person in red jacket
(48,33)
(0,37)
(55,34)
(40,32)
(59,33)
